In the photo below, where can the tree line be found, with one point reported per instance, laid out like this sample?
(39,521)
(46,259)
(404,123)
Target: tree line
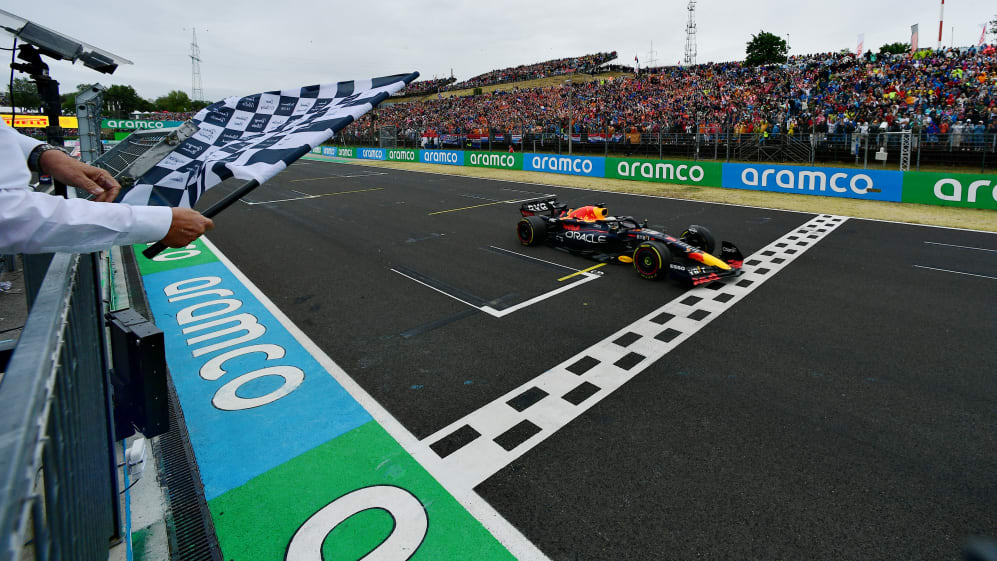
(119,100)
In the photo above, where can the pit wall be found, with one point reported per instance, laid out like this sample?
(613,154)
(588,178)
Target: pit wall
(945,189)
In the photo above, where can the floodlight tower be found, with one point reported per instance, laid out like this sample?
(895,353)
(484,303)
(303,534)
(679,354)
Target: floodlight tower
(196,90)
(690,35)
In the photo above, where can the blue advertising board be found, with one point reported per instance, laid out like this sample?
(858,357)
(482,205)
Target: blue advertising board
(328,150)
(445,157)
(570,165)
(371,153)
(875,185)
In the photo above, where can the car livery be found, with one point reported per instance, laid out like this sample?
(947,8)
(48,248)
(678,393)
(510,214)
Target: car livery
(591,231)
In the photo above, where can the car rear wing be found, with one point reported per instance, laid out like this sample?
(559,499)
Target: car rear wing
(548,206)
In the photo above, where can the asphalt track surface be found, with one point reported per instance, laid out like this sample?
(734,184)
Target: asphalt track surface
(845,409)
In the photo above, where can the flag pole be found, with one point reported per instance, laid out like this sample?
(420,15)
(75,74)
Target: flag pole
(158,247)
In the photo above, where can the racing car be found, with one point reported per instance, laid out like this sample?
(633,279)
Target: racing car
(591,231)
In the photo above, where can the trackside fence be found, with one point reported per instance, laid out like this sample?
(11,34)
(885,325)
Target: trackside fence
(58,485)
(877,183)
(970,151)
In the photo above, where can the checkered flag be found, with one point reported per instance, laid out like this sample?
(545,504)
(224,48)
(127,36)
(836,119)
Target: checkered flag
(257,136)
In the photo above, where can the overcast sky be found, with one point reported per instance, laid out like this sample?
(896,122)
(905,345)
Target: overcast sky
(249,46)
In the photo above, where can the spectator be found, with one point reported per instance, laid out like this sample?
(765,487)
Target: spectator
(809,92)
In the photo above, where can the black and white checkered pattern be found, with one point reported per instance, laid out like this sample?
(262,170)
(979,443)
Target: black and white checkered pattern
(257,136)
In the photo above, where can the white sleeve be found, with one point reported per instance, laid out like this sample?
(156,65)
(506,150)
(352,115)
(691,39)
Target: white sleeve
(24,143)
(32,222)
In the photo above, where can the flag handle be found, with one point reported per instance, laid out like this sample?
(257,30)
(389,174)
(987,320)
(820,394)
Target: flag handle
(157,248)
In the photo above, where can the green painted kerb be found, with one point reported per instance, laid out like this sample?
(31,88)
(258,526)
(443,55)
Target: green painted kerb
(665,171)
(494,160)
(259,519)
(965,190)
(194,254)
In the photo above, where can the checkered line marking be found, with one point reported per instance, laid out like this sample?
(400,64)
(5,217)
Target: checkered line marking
(475,447)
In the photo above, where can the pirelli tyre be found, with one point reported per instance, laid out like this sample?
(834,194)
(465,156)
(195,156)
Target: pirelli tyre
(651,260)
(531,230)
(700,237)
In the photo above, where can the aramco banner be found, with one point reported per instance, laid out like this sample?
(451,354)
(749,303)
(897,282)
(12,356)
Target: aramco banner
(968,190)
(876,185)
(570,165)
(661,171)
(494,160)
(135,124)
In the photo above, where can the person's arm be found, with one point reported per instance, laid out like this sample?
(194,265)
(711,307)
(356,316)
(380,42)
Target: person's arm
(32,222)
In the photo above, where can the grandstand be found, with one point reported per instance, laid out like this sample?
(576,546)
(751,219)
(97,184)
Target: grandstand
(425,87)
(946,97)
(555,67)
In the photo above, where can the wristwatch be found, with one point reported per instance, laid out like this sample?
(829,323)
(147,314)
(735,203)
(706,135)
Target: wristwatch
(34,158)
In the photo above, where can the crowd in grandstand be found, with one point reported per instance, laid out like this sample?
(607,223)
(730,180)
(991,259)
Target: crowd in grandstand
(424,87)
(163,115)
(556,67)
(952,91)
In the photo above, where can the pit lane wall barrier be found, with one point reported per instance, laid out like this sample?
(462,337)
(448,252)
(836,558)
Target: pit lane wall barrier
(965,190)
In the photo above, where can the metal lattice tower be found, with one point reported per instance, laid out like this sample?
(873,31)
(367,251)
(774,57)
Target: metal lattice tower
(196,90)
(905,147)
(690,35)
(651,58)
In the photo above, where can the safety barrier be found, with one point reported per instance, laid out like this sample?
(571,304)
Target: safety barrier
(947,189)
(58,485)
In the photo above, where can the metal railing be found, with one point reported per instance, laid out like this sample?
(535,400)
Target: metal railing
(58,484)
(971,151)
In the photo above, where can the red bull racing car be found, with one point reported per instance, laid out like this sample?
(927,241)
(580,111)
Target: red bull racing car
(591,231)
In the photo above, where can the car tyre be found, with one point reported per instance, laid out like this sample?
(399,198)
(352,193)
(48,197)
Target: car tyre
(700,237)
(531,230)
(651,260)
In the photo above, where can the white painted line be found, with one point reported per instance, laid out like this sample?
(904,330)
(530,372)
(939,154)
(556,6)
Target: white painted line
(955,272)
(443,292)
(480,198)
(251,203)
(339,176)
(507,534)
(537,193)
(502,313)
(586,277)
(534,258)
(610,365)
(962,246)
